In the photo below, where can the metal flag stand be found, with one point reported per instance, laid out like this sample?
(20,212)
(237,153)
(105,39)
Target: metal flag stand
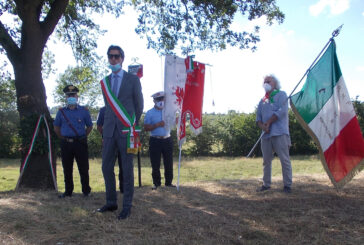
(335,33)
(133,68)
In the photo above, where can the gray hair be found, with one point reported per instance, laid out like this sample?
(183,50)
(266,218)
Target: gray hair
(277,82)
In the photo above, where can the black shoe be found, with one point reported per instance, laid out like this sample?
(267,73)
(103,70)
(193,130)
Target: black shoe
(63,195)
(263,188)
(125,213)
(107,208)
(287,189)
(170,185)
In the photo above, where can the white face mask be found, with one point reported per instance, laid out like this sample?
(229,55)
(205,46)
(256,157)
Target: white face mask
(267,87)
(160,104)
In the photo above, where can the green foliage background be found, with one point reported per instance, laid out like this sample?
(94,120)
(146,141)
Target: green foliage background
(9,117)
(231,134)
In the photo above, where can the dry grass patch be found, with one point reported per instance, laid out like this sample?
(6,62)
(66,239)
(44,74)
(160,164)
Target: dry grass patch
(208,212)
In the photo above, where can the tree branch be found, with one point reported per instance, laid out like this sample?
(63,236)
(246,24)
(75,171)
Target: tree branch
(19,8)
(8,44)
(56,11)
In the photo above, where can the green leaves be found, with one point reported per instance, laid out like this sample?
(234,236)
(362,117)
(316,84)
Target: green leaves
(168,26)
(9,118)
(85,78)
(200,24)
(359,110)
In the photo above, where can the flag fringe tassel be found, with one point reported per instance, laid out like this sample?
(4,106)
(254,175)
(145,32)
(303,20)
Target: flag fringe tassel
(349,176)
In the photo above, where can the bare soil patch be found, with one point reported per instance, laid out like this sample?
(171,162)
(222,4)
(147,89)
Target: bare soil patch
(211,212)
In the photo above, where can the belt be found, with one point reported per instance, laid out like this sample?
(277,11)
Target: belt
(161,137)
(73,139)
(70,140)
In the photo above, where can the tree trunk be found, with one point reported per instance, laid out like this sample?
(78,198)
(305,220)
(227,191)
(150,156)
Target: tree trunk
(31,102)
(26,58)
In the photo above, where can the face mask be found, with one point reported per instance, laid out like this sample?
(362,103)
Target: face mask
(267,87)
(160,104)
(115,67)
(71,100)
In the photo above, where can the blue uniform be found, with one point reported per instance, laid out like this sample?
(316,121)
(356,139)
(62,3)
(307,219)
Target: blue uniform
(74,145)
(100,117)
(160,144)
(154,116)
(79,118)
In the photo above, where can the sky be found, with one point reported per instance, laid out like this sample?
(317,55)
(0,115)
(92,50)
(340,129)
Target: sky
(234,77)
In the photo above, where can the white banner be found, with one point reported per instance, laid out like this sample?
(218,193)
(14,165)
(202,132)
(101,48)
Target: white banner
(174,85)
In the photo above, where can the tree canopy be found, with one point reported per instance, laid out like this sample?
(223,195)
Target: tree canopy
(167,25)
(201,24)
(187,25)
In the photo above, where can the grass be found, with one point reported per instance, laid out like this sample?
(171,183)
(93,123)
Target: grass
(217,204)
(192,169)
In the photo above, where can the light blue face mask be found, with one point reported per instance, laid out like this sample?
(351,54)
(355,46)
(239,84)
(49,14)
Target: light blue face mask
(71,100)
(115,67)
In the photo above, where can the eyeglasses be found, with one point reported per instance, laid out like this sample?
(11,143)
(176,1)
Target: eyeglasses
(115,56)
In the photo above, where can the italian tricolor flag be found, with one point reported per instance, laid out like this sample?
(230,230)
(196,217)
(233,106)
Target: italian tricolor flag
(324,109)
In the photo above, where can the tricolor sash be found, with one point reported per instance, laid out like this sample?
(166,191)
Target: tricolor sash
(133,141)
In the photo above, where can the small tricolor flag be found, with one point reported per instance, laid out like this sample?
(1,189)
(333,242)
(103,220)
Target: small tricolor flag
(324,109)
(136,70)
(190,66)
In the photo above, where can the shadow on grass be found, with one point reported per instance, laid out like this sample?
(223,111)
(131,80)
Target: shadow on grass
(7,162)
(213,212)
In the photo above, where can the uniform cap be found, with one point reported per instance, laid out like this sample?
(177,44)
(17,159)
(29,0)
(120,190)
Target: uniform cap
(158,94)
(70,89)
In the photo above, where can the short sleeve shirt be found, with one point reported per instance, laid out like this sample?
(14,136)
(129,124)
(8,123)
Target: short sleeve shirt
(79,118)
(154,116)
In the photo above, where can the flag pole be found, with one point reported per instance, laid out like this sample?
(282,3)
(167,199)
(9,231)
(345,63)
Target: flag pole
(139,170)
(179,165)
(256,143)
(335,33)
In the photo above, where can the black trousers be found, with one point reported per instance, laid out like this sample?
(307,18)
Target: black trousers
(75,150)
(158,148)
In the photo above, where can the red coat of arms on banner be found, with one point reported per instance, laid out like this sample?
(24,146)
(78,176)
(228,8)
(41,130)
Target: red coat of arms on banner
(193,98)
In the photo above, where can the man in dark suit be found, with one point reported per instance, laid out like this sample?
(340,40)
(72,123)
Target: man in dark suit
(100,123)
(123,100)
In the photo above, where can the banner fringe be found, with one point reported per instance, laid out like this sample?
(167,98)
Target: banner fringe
(349,176)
